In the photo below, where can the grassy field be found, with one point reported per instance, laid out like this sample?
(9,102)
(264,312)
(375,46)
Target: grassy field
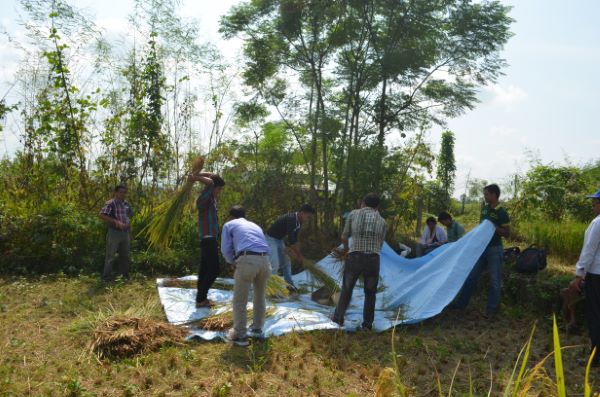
(45,334)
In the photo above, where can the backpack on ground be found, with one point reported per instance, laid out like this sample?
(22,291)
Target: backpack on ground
(531,260)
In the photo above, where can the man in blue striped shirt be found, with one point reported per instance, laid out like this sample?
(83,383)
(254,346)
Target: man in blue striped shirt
(243,245)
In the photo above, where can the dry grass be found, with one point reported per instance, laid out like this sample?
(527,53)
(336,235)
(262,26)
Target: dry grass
(46,326)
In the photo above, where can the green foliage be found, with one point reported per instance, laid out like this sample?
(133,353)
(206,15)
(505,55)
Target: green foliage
(563,239)
(446,167)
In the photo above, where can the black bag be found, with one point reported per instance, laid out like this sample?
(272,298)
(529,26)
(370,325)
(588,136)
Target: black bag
(531,260)
(511,254)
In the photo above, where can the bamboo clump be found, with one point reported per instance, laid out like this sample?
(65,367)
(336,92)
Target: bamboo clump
(167,217)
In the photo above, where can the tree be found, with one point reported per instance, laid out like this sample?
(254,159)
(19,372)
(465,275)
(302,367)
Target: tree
(344,75)
(446,167)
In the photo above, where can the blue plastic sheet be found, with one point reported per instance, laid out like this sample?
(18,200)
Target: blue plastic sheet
(418,288)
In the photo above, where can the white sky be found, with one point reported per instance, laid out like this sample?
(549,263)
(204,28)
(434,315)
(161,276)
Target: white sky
(544,104)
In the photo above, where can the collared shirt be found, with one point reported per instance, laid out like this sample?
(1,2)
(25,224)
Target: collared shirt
(286,225)
(208,220)
(367,229)
(455,231)
(117,209)
(242,235)
(439,235)
(589,259)
(499,217)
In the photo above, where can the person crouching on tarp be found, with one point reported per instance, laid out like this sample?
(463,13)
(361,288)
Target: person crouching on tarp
(367,229)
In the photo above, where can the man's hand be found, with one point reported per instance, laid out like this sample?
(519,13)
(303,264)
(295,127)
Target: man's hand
(575,285)
(120,225)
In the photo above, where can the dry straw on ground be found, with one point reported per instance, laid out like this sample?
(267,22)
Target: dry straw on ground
(121,336)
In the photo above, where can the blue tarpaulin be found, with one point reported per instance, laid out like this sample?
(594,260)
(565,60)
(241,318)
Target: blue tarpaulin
(418,288)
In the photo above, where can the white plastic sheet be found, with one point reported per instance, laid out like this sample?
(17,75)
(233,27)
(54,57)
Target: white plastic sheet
(420,288)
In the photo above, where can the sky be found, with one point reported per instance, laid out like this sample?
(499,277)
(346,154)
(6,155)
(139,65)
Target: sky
(541,109)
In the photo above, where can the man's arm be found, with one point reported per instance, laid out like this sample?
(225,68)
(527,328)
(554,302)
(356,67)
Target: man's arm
(227,245)
(203,177)
(112,221)
(503,231)
(347,232)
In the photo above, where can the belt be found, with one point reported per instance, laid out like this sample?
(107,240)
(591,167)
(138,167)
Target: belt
(242,253)
(363,253)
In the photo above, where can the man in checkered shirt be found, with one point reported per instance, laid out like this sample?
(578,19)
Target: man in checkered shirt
(367,229)
(116,214)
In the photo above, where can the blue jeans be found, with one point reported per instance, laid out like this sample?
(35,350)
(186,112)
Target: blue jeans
(279,259)
(492,258)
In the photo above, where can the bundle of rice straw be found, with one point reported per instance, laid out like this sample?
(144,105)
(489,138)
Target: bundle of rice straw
(320,275)
(277,287)
(166,220)
(122,336)
(222,321)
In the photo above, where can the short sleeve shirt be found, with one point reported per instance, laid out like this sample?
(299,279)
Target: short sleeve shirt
(207,213)
(286,225)
(499,217)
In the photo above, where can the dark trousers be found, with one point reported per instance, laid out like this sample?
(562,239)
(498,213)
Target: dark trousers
(592,311)
(117,242)
(209,266)
(368,265)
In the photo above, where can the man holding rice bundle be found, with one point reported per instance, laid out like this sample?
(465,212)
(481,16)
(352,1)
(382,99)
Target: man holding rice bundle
(367,229)
(208,223)
(244,246)
(287,225)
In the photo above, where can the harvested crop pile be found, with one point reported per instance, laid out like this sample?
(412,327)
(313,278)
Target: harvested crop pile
(120,336)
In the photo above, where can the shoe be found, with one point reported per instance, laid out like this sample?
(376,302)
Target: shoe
(204,304)
(230,337)
(256,333)
(368,327)
(490,314)
(338,322)
(292,288)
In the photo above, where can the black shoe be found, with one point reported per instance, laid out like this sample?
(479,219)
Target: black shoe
(256,333)
(338,322)
(368,327)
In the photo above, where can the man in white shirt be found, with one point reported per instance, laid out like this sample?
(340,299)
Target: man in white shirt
(588,269)
(433,236)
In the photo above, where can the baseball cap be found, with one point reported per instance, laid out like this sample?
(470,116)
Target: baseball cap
(595,195)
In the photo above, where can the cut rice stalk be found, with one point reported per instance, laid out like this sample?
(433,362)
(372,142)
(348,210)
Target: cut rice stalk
(277,287)
(320,276)
(222,321)
(167,216)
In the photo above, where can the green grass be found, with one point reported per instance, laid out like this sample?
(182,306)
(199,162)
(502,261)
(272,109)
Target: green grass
(562,239)
(45,336)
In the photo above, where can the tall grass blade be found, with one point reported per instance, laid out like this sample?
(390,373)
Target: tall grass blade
(452,380)
(558,363)
(587,390)
(527,348)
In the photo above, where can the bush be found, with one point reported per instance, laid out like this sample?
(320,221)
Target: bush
(562,239)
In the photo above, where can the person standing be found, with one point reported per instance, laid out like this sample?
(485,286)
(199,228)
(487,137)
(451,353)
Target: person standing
(588,269)
(367,229)
(433,236)
(244,246)
(116,213)
(455,230)
(208,223)
(287,225)
(493,255)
